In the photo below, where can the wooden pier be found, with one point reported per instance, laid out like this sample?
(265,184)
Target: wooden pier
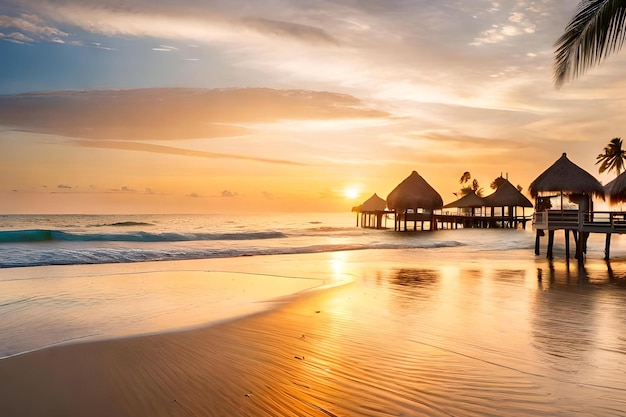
(373,219)
(455,221)
(580,224)
(376,219)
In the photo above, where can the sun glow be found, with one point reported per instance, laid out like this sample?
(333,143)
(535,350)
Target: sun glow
(351,193)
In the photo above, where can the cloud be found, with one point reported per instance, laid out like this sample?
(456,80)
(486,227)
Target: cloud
(33,25)
(145,147)
(171,114)
(310,34)
(16,37)
(228,194)
(268,195)
(165,48)
(213,22)
(515,20)
(98,45)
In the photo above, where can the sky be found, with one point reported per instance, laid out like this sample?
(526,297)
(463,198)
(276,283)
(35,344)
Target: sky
(190,106)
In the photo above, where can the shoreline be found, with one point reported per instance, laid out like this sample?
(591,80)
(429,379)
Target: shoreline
(60,305)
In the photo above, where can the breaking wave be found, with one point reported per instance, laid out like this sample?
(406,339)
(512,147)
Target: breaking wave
(18,236)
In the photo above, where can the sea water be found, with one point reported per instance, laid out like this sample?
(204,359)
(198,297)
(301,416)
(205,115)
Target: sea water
(80,277)
(31,240)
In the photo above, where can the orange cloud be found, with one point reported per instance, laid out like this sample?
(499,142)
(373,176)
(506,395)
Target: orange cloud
(170,114)
(170,150)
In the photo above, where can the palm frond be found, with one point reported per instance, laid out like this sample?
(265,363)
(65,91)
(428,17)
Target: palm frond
(596,30)
(612,158)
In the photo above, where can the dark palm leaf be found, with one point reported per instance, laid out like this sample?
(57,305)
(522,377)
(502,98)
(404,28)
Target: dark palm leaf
(612,158)
(596,30)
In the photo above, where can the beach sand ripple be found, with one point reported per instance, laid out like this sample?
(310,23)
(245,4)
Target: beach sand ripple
(400,341)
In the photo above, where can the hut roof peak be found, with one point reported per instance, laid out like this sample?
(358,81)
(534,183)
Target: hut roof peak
(414,192)
(566,177)
(374,203)
(507,195)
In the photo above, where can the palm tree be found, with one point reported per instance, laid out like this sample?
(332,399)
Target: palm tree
(474,187)
(596,30)
(497,182)
(613,157)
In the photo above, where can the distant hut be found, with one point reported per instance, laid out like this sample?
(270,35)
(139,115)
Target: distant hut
(414,200)
(466,211)
(372,212)
(616,189)
(568,179)
(468,201)
(508,197)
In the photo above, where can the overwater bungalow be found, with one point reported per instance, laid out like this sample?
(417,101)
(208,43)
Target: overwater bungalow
(414,200)
(372,212)
(499,209)
(469,212)
(505,203)
(572,186)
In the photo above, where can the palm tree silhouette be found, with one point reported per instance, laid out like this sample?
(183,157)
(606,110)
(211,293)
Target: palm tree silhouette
(613,157)
(473,188)
(596,30)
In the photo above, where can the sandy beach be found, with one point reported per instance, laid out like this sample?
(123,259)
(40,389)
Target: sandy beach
(409,336)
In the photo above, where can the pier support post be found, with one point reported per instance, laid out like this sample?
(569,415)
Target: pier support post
(581,246)
(550,243)
(566,244)
(537,239)
(607,247)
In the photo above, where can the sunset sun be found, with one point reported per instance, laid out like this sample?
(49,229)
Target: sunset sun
(351,193)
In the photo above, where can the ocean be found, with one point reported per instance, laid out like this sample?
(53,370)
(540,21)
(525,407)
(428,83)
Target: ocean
(79,278)
(37,240)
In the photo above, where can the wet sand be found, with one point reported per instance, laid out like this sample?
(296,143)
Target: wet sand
(448,337)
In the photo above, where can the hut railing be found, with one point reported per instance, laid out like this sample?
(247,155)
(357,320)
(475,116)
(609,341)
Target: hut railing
(540,219)
(556,219)
(598,221)
(616,220)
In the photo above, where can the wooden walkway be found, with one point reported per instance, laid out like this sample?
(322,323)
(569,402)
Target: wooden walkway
(410,221)
(454,221)
(580,224)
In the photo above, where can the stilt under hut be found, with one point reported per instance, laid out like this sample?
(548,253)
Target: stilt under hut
(372,212)
(414,200)
(508,199)
(568,181)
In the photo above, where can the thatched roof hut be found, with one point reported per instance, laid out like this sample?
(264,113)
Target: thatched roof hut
(567,178)
(507,195)
(374,203)
(616,189)
(469,200)
(413,193)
